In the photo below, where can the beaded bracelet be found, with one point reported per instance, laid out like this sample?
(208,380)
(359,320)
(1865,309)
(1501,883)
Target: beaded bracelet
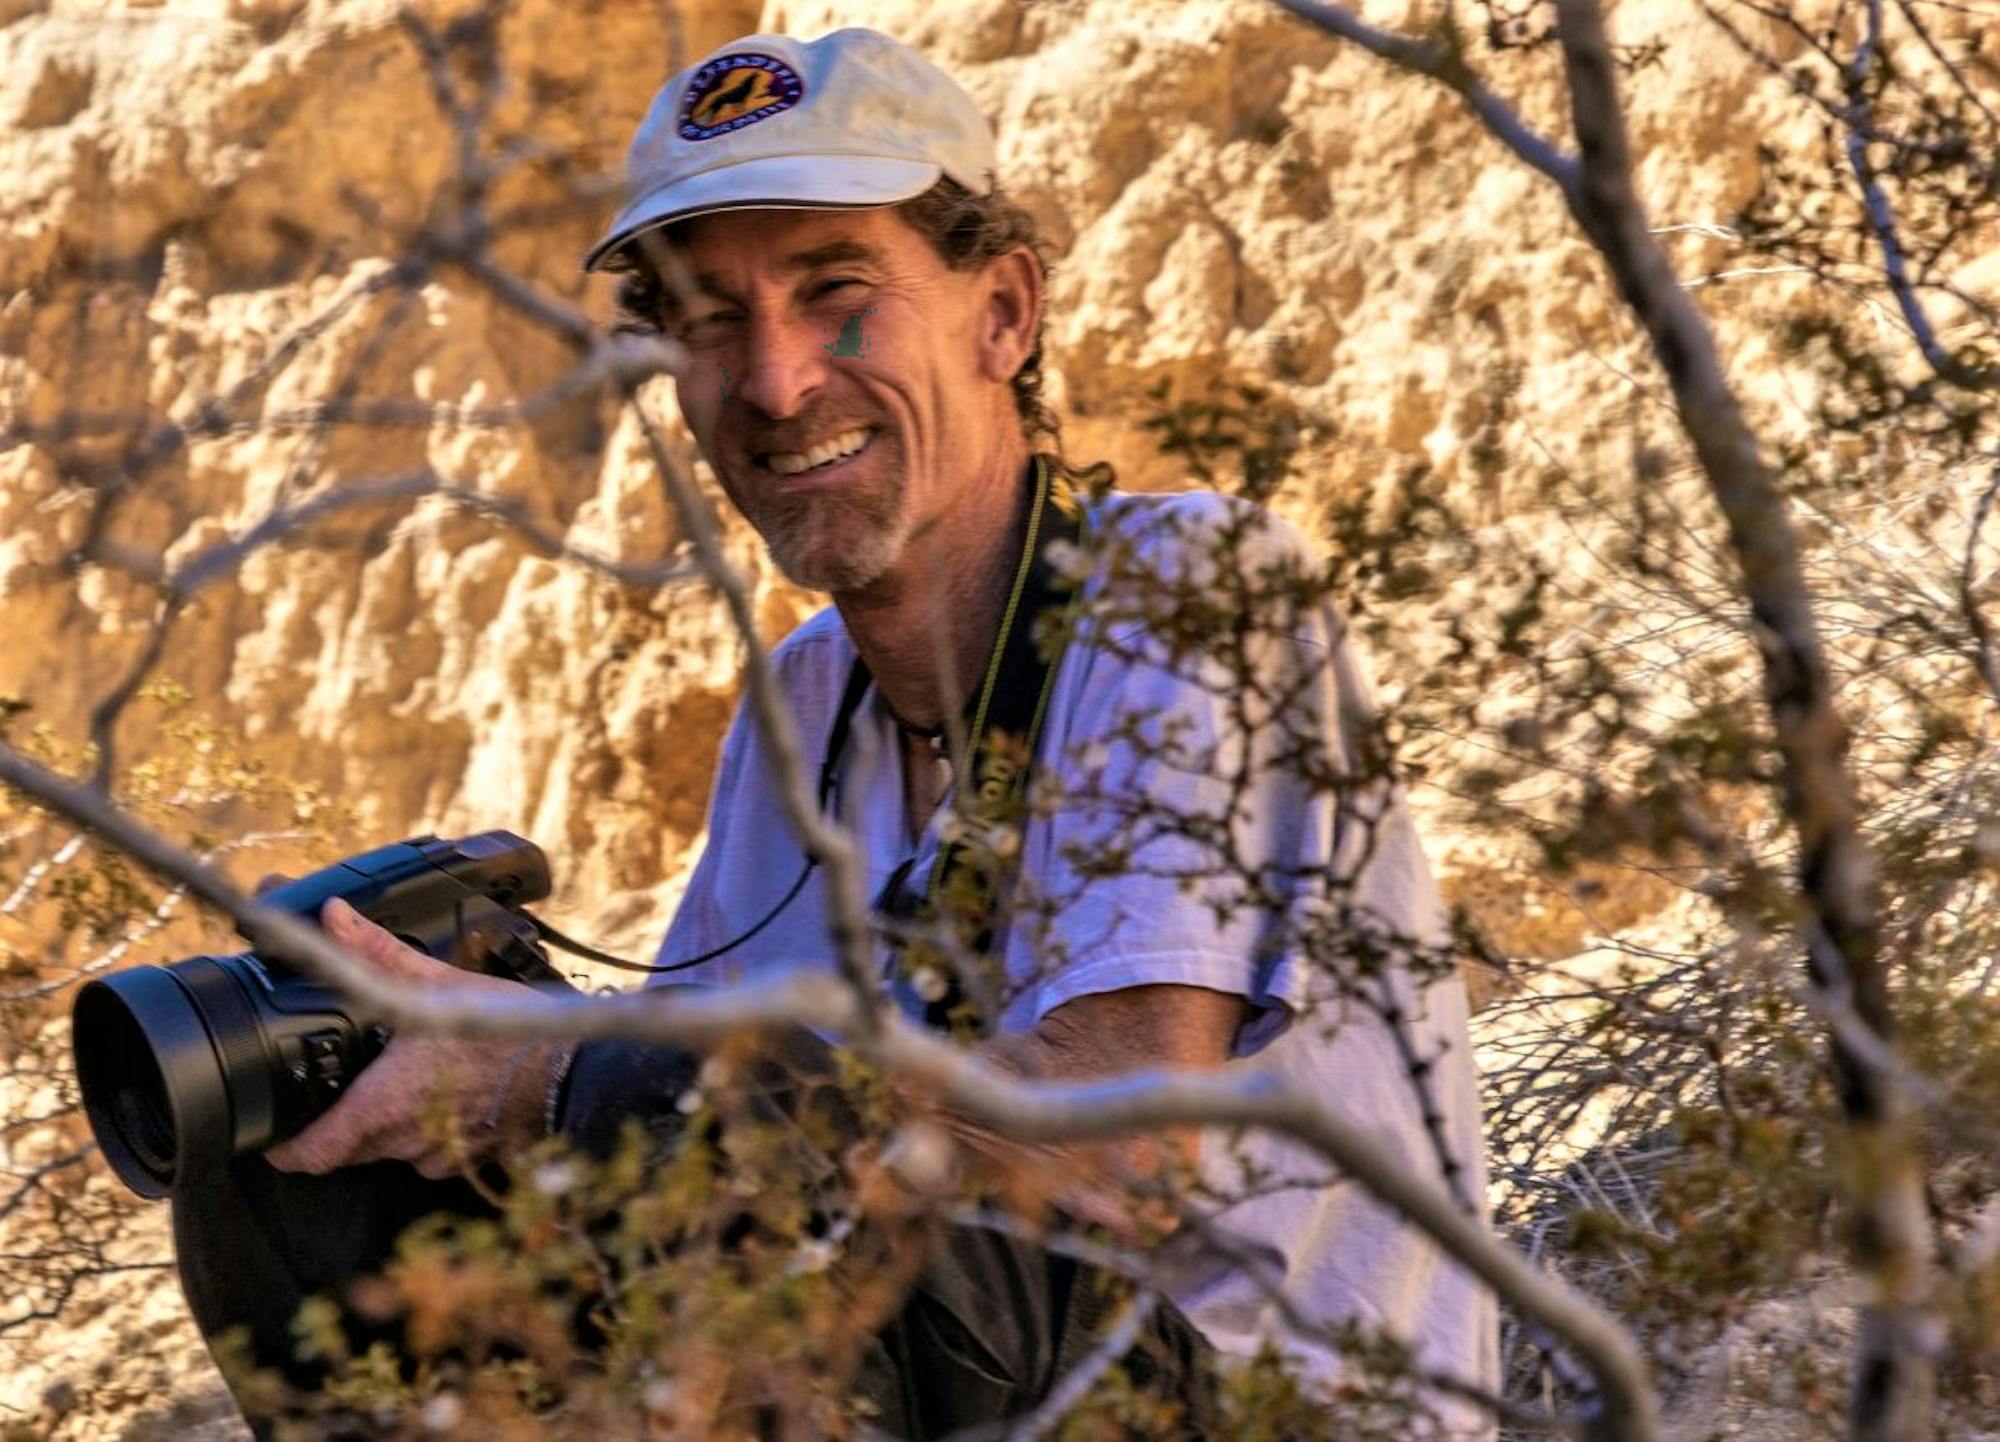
(559,1060)
(499,1106)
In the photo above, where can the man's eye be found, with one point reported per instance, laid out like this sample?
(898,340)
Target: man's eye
(708,325)
(836,286)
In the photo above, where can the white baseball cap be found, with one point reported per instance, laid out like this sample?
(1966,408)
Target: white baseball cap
(853,118)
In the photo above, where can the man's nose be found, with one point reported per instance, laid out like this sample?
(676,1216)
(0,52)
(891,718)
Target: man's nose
(783,365)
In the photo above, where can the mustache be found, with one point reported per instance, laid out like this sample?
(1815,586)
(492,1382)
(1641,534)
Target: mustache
(800,432)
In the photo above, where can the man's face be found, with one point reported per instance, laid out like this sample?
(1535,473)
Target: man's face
(833,384)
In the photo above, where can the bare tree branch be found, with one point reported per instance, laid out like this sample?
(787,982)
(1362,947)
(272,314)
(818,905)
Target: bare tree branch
(822,839)
(1894,1381)
(1075,1385)
(970,1085)
(223,558)
(1983,656)
(52,1308)
(104,716)
(152,923)
(1882,217)
(1446,65)
(31,879)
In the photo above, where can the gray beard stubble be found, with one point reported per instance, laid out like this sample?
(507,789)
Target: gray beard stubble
(795,529)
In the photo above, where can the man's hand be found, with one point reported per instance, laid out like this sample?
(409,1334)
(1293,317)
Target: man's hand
(494,1086)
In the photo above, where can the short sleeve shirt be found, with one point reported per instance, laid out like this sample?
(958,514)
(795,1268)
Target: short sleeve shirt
(1207,813)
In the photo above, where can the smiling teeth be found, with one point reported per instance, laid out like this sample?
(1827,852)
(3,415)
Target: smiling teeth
(790,463)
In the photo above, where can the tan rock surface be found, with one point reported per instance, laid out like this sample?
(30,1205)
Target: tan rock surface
(1235,197)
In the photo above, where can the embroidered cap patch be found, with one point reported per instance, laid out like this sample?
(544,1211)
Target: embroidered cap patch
(733,91)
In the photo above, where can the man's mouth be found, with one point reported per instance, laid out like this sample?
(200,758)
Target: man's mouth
(829,452)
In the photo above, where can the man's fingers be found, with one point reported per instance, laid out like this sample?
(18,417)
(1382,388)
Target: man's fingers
(360,1127)
(436,1166)
(338,1138)
(306,1153)
(379,948)
(380,1117)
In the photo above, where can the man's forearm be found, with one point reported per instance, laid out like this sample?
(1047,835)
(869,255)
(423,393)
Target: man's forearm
(1102,1035)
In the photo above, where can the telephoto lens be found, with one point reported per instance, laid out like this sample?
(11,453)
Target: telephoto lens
(184,1067)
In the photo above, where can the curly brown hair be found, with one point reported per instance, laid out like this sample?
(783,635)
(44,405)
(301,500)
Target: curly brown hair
(965,229)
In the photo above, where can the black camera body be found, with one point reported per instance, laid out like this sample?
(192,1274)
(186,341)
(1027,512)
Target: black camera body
(187,1066)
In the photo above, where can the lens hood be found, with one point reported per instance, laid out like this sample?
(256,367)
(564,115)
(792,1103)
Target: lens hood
(152,1080)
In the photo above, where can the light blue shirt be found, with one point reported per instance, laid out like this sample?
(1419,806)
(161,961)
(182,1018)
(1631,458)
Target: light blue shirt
(1253,853)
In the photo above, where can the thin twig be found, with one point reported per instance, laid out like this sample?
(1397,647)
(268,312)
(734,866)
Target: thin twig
(223,558)
(1882,218)
(1983,655)
(1448,68)
(823,840)
(974,1087)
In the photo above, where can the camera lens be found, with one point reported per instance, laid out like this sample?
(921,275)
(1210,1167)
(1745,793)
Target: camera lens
(143,1111)
(152,1083)
(139,1104)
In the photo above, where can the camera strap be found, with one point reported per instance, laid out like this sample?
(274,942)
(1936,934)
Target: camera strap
(1003,727)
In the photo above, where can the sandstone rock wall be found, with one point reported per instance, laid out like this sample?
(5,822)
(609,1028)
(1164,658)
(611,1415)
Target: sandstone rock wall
(209,206)
(189,184)
(206,205)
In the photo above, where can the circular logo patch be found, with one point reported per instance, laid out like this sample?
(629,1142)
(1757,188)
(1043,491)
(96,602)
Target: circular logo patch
(733,91)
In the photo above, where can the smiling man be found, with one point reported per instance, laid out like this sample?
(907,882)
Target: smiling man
(1215,871)
(1210,868)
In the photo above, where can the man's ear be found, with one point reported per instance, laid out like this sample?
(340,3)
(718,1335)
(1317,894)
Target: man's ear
(1011,313)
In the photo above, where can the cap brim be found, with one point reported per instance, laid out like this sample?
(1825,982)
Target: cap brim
(787,182)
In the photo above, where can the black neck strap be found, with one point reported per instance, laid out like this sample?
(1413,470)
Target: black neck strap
(1003,726)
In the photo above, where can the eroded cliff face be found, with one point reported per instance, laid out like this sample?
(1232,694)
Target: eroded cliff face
(208,202)
(211,207)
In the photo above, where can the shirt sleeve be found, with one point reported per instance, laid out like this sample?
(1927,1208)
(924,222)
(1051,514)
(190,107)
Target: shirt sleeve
(1212,810)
